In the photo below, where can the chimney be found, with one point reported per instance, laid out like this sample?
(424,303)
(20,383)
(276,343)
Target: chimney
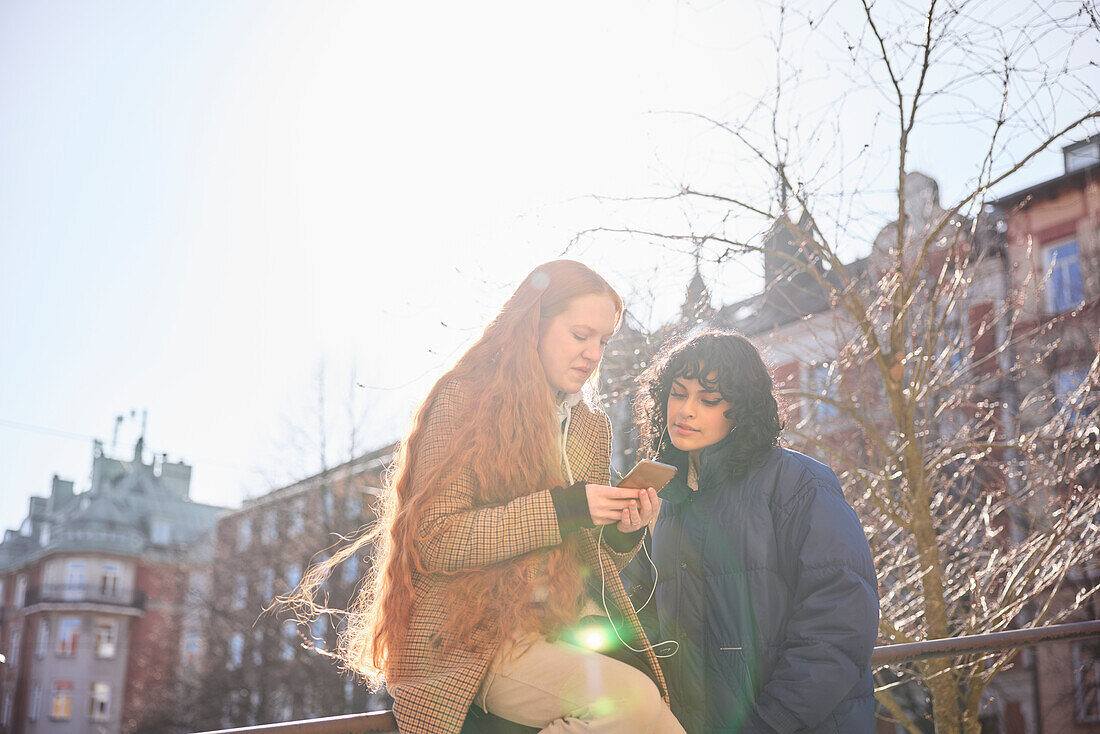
(61,493)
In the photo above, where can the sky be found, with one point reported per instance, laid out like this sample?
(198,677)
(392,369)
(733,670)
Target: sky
(261,223)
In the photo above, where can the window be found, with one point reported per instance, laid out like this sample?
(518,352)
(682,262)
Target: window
(112,574)
(20,591)
(257,647)
(1066,289)
(160,531)
(13,647)
(106,637)
(42,639)
(267,583)
(240,592)
(244,533)
(1081,155)
(293,574)
(349,570)
(236,651)
(99,702)
(282,704)
(1086,667)
(61,703)
(953,346)
(821,382)
(253,707)
(271,526)
(196,588)
(355,505)
(76,574)
(290,632)
(318,629)
(297,517)
(191,649)
(32,704)
(1066,383)
(68,636)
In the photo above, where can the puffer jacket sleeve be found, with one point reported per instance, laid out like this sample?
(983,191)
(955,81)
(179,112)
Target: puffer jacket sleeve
(833,621)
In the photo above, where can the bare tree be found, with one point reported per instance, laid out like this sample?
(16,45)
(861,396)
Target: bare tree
(927,383)
(257,663)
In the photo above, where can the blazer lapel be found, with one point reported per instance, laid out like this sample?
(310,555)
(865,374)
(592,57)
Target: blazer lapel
(579,443)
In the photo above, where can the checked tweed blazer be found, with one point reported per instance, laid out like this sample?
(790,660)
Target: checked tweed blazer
(433,689)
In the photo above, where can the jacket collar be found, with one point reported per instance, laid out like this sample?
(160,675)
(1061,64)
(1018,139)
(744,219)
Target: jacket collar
(712,463)
(713,460)
(564,403)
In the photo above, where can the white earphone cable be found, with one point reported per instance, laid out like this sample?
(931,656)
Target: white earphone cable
(652,591)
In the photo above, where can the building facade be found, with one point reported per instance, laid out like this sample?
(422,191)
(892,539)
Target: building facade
(1052,238)
(248,663)
(1033,298)
(91,601)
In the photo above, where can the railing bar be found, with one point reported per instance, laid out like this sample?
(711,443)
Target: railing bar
(346,724)
(989,642)
(382,721)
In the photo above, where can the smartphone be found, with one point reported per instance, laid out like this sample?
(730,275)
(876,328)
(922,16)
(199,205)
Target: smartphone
(648,473)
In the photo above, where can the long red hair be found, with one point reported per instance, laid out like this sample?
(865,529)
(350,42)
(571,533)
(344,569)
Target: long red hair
(506,389)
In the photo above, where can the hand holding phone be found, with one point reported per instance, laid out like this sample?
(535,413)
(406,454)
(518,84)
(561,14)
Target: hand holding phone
(649,478)
(608,505)
(624,504)
(640,513)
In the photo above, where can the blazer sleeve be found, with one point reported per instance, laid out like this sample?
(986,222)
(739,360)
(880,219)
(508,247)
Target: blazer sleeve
(452,534)
(833,621)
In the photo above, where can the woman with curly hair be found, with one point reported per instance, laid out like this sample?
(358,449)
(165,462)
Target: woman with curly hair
(761,570)
(500,533)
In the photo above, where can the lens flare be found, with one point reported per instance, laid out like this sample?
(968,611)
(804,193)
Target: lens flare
(593,638)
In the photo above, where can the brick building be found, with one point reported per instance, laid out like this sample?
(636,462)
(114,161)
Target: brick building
(91,599)
(1052,235)
(1036,258)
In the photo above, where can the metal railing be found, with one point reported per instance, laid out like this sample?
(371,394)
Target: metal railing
(970,644)
(383,721)
(348,724)
(84,593)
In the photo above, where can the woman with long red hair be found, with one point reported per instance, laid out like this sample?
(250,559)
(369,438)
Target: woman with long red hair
(499,534)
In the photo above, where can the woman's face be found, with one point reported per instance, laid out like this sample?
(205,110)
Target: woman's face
(696,415)
(571,344)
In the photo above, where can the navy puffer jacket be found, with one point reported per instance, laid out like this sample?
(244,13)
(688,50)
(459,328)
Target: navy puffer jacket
(767,585)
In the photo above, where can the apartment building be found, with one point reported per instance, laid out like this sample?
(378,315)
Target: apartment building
(91,600)
(245,665)
(1033,298)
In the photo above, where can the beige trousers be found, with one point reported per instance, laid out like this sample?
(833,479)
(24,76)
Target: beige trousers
(563,688)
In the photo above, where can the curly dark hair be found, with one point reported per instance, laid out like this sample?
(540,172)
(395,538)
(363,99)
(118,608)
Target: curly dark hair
(741,378)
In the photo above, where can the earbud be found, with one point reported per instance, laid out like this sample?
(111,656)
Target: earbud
(661,443)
